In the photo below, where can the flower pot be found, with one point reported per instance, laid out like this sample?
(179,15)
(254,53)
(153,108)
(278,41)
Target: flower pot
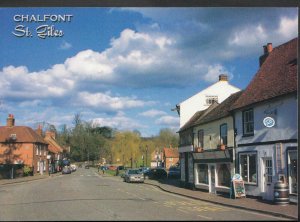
(199,149)
(222,147)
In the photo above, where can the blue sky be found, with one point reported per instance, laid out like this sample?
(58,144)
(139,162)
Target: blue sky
(128,67)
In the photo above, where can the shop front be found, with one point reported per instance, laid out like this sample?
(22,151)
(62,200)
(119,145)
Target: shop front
(213,170)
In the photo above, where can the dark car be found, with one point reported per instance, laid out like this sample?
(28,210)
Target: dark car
(156,173)
(174,172)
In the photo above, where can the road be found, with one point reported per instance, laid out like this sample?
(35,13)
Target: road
(85,195)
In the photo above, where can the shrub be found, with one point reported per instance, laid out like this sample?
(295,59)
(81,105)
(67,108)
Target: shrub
(27,171)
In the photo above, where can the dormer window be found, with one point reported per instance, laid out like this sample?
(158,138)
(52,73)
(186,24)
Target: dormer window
(211,99)
(13,136)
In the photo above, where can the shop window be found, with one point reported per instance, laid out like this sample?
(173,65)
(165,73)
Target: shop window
(248,122)
(203,173)
(248,168)
(292,165)
(224,176)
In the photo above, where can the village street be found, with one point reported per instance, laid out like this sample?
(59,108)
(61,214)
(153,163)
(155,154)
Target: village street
(86,195)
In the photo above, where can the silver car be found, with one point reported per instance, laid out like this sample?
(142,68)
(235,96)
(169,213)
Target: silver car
(133,175)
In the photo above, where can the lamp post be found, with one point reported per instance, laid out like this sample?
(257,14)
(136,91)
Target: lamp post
(143,160)
(146,155)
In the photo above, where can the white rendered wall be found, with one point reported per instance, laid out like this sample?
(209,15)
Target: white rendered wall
(189,107)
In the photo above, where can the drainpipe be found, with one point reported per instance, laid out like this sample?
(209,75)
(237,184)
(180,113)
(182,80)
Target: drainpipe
(234,144)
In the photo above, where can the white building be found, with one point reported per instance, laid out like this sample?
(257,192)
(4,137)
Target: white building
(219,91)
(266,124)
(191,109)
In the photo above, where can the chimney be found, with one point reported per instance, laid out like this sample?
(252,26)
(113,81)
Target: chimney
(267,50)
(223,77)
(10,120)
(50,134)
(39,130)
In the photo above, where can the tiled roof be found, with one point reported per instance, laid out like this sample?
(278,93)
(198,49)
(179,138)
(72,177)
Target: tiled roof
(196,118)
(24,134)
(171,152)
(277,76)
(222,110)
(53,145)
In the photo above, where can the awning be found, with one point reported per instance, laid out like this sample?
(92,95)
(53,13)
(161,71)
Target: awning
(215,156)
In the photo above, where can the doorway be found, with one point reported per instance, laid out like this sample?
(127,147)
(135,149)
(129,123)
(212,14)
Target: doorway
(267,178)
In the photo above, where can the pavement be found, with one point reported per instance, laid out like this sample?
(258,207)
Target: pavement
(289,211)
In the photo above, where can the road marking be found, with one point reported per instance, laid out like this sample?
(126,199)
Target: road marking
(208,218)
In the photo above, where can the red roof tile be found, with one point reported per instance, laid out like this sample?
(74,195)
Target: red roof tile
(276,77)
(24,134)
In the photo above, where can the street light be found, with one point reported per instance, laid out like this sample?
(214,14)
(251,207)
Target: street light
(146,155)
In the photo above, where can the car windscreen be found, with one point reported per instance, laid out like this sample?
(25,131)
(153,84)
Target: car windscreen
(134,172)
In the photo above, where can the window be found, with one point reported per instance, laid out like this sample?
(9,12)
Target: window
(203,173)
(37,150)
(248,122)
(211,99)
(224,177)
(248,169)
(200,138)
(268,170)
(38,166)
(223,133)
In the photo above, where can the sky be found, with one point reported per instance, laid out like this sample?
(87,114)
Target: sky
(126,68)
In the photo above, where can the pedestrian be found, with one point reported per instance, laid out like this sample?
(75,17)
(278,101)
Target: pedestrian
(103,170)
(117,171)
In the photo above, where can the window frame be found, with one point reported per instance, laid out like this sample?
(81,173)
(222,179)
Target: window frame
(244,113)
(240,167)
(221,138)
(200,132)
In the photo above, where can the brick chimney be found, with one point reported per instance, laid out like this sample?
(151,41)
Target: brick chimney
(223,77)
(39,130)
(267,50)
(10,121)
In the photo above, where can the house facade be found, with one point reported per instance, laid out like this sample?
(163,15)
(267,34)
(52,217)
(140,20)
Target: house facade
(212,160)
(171,157)
(21,146)
(192,110)
(55,151)
(266,126)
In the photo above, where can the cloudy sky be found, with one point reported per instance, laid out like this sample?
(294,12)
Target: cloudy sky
(128,67)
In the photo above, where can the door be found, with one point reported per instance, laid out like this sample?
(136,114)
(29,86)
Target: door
(212,184)
(186,168)
(267,178)
(292,165)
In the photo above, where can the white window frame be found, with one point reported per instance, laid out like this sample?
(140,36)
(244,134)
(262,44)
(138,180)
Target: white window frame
(269,170)
(37,150)
(38,166)
(240,167)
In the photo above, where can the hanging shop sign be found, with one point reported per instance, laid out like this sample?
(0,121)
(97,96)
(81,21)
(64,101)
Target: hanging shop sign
(269,122)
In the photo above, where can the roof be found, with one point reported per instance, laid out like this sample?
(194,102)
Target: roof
(276,77)
(53,145)
(24,134)
(171,152)
(197,117)
(222,110)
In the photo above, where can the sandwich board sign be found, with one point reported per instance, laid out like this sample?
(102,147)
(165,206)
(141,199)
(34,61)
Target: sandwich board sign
(237,187)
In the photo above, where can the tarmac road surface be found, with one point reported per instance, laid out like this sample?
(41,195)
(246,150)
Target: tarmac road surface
(84,195)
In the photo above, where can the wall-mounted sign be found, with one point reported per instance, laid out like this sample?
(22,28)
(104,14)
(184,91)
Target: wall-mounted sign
(269,122)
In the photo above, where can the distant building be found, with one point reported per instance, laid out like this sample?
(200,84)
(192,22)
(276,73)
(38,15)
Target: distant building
(21,146)
(170,157)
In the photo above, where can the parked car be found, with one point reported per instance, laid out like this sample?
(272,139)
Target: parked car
(156,173)
(112,167)
(174,172)
(133,175)
(66,170)
(144,169)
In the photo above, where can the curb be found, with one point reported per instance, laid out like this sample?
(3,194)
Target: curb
(224,204)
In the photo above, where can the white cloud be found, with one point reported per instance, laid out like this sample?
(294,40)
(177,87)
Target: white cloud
(214,71)
(65,45)
(168,121)
(120,121)
(288,27)
(152,113)
(105,101)
(249,36)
